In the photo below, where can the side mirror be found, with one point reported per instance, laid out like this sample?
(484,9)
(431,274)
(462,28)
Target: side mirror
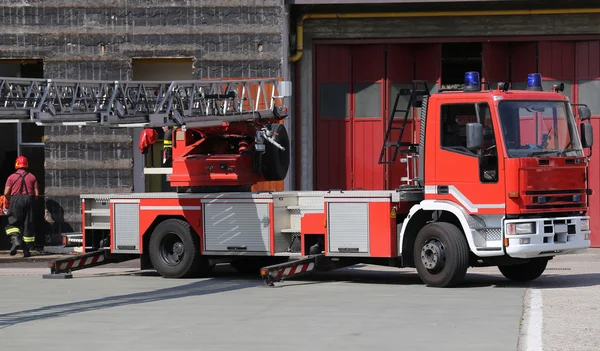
(585,113)
(474,136)
(587,135)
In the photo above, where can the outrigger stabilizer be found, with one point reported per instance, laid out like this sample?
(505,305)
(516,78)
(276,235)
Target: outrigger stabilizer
(299,267)
(63,268)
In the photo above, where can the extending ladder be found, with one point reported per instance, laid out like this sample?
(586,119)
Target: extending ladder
(194,103)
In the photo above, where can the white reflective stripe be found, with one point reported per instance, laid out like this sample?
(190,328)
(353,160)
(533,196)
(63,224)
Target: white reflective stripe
(171,208)
(233,201)
(124,201)
(452,190)
(357,199)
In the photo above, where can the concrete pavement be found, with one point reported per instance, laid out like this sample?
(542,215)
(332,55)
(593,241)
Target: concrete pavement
(353,309)
(363,307)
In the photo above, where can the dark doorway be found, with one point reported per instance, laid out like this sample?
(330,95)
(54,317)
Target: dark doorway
(26,139)
(457,59)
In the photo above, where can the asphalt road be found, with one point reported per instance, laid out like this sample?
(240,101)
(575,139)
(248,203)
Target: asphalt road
(360,308)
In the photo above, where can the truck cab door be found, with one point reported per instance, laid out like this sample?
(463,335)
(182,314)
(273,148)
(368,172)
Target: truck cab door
(473,179)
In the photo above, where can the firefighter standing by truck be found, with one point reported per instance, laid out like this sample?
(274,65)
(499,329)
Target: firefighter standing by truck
(21,191)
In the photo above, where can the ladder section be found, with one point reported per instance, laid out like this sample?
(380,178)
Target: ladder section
(196,103)
(415,99)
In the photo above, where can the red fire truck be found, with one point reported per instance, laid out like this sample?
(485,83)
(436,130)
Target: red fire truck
(497,177)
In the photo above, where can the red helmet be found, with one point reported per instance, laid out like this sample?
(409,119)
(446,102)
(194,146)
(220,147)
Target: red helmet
(21,162)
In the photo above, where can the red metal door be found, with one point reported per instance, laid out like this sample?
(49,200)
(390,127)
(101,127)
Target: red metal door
(400,63)
(587,90)
(428,67)
(368,100)
(495,65)
(333,127)
(405,63)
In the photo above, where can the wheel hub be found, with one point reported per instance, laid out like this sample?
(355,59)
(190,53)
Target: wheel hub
(178,248)
(433,255)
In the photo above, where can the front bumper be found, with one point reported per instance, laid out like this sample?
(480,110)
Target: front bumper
(548,237)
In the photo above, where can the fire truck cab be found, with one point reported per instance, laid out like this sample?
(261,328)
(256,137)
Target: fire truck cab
(505,170)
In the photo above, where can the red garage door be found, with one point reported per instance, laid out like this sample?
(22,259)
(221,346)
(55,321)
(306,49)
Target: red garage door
(587,73)
(356,86)
(349,111)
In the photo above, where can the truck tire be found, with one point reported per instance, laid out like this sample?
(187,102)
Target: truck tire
(275,162)
(525,272)
(441,254)
(174,250)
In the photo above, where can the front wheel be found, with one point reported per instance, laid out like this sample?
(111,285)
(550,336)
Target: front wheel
(441,254)
(525,272)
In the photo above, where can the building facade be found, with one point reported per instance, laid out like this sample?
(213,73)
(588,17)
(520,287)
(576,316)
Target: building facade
(120,40)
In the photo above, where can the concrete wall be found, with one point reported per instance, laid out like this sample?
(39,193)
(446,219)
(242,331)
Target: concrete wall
(414,28)
(96,39)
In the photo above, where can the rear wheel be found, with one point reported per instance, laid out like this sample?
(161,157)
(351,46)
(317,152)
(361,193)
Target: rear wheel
(174,250)
(441,254)
(526,271)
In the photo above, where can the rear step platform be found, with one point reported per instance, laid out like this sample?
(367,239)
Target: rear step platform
(62,268)
(302,266)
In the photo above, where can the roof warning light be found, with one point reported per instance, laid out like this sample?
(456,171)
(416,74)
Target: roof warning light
(534,82)
(472,82)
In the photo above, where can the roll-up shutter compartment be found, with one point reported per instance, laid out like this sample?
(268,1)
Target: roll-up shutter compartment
(238,227)
(126,227)
(348,225)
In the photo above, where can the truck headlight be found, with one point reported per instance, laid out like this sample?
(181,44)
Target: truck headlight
(585,225)
(520,228)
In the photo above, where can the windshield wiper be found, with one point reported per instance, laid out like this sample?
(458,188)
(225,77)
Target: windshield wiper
(539,153)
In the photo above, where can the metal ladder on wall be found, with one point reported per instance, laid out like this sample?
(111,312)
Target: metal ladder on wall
(196,103)
(411,152)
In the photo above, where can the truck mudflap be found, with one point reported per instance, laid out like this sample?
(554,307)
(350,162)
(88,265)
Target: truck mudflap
(62,268)
(299,267)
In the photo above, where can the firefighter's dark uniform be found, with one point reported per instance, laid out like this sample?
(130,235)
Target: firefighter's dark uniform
(168,147)
(20,220)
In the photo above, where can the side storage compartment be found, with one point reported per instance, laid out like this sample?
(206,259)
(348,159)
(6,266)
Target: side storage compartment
(95,222)
(348,227)
(231,226)
(126,227)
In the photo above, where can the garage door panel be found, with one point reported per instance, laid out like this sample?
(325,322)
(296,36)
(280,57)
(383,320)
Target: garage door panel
(368,77)
(366,163)
(367,100)
(333,160)
(495,59)
(587,68)
(523,62)
(334,100)
(332,125)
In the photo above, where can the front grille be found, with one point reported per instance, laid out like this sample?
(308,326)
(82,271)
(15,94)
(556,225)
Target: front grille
(559,230)
(551,206)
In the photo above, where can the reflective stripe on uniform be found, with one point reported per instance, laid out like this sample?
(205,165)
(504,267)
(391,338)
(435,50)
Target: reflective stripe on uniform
(167,143)
(28,239)
(11,231)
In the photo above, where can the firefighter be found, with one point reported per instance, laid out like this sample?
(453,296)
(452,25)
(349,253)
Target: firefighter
(21,191)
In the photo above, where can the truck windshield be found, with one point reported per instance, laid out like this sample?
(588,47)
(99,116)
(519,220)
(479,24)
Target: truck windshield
(539,129)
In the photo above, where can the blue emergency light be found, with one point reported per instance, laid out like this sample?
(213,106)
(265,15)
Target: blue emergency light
(472,82)
(534,82)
